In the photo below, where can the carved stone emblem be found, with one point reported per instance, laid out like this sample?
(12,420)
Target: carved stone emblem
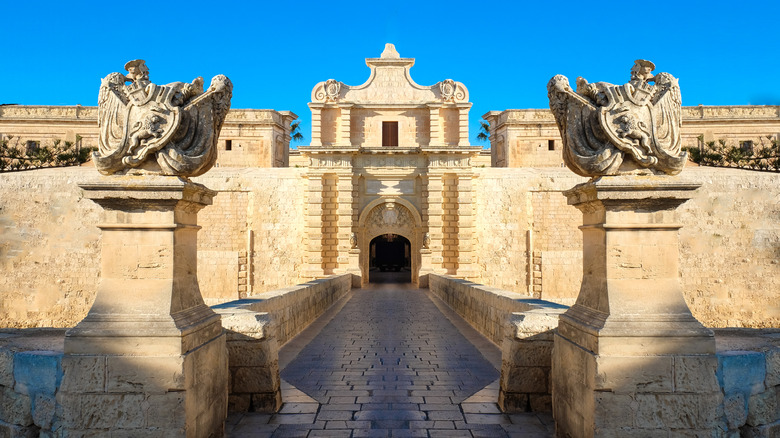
(332,89)
(610,129)
(447,88)
(164,129)
(353,241)
(390,215)
(426,241)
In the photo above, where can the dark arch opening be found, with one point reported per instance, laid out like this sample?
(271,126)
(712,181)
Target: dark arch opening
(390,259)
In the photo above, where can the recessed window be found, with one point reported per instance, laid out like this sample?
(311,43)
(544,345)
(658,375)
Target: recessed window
(389,133)
(550,145)
(32,146)
(228,145)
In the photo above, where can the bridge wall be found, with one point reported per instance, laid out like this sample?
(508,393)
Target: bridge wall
(257,326)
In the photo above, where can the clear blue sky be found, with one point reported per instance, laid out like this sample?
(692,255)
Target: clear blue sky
(723,52)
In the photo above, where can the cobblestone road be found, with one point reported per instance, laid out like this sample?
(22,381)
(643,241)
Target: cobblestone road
(389,361)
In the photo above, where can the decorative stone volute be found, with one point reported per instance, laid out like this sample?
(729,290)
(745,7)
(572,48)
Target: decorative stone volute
(390,82)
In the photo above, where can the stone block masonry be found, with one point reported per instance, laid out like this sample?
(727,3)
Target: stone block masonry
(524,328)
(257,326)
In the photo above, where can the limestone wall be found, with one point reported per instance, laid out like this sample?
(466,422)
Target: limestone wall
(49,248)
(730,240)
(250,240)
(522,326)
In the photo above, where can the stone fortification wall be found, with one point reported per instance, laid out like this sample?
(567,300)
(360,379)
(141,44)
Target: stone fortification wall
(250,240)
(49,248)
(730,240)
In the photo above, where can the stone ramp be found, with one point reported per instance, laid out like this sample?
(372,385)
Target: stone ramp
(390,360)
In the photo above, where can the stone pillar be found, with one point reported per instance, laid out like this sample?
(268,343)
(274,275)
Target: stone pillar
(150,357)
(629,357)
(344,221)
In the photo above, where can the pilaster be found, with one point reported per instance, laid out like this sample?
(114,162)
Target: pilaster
(463,124)
(435,211)
(437,133)
(345,132)
(316,124)
(313,228)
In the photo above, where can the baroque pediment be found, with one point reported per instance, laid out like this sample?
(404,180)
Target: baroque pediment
(389,84)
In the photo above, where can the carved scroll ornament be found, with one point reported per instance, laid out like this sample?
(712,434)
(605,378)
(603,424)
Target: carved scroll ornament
(164,129)
(612,129)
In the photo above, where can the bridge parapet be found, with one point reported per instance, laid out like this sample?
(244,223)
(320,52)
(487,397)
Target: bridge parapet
(522,326)
(257,326)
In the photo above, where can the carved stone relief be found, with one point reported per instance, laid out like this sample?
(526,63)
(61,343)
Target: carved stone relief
(390,217)
(164,129)
(610,129)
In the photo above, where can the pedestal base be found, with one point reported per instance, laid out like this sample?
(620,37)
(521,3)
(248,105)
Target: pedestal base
(629,357)
(150,357)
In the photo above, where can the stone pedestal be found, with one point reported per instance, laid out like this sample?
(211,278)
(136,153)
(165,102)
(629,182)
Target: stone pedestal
(629,357)
(150,357)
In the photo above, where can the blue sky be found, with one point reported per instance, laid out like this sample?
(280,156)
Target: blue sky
(724,53)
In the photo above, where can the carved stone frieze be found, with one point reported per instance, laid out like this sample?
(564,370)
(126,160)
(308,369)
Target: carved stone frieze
(390,218)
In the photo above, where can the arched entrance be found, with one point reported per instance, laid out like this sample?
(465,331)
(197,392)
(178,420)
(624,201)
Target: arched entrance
(382,224)
(390,259)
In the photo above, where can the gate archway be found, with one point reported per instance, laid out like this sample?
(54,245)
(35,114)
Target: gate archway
(389,259)
(390,217)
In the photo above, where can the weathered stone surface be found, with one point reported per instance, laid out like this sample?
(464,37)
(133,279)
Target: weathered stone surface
(84,373)
(165,410)
(167,129)
(773,367)
(6,368)
(609,129)
(736,409)
(15,431)
(112,411)
(679,411)
(764,407)
(15,408)
(695,373)
(765,431)
(44,408)
(631,374)
(144,373)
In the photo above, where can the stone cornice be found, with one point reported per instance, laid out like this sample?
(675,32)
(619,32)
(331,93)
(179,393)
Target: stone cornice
(89,114)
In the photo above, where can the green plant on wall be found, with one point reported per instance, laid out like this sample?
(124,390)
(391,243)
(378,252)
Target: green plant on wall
(762,156)
(32,155)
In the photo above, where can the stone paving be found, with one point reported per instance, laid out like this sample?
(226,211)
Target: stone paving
(389,361)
